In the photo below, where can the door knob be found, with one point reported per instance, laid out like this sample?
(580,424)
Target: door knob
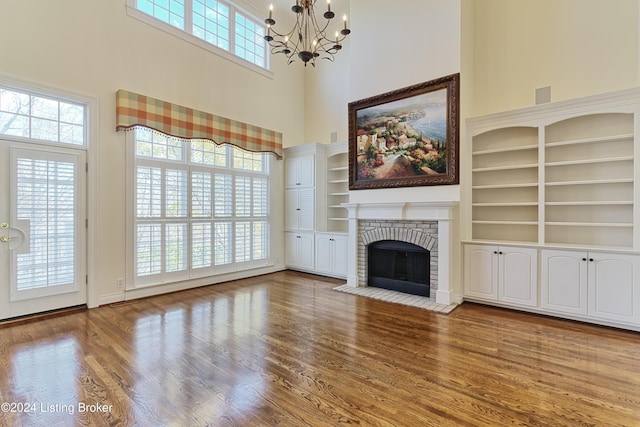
(4,225)
(5,239)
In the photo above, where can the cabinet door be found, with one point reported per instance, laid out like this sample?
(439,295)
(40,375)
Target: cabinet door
(299,250)
(564,281)
(518,276)
(331,254)
(306,251)
(480,271)
(299,172)
(291,252)
(307,209)
(291,210)
(299,210)
(324,253)
(340,265)
(612,294)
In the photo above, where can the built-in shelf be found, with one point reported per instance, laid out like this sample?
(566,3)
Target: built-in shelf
(506,168)
(506,150)
(590,224)
(488,187)
(498,205)
(610,138)
(589,161)
(337,178)
(591,203)
(507,222)
(591,182)
(552,223)
(552,181)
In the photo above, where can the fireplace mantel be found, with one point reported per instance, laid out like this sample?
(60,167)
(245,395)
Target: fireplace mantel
(428,211)
(445,213)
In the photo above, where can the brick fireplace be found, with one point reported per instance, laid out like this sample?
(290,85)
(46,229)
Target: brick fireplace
(428,225)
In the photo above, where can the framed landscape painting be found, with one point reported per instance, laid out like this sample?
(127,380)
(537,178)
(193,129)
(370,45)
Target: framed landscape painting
(405,138)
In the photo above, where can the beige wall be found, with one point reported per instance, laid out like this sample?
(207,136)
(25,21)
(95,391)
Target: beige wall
(326,97)
(504,49)
(94,48)
(578,47)
(398,44)
(327,88)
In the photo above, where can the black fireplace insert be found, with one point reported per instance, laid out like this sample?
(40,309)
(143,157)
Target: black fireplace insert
(399,266)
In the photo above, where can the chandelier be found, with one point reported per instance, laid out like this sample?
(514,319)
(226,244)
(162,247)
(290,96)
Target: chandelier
(307,39)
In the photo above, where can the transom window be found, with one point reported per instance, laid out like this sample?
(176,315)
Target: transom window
(34,116)
(200,208)
(218,23)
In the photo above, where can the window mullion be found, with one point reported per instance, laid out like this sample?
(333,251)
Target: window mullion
(188,16)
(163,220)
(232,29)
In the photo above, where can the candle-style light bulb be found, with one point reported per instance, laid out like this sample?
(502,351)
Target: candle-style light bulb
(337,37)
(270,11)
(345,21)
(329,5)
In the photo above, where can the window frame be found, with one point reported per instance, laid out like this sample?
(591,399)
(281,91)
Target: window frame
(188,36)
(163,219)
(55,97)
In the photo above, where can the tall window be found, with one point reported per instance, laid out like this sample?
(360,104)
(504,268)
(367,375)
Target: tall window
(218,23)
(200,208)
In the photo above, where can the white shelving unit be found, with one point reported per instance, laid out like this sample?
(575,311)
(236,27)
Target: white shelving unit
(316,223)
(505,185)
(559,180)
(589,176)
(337,187)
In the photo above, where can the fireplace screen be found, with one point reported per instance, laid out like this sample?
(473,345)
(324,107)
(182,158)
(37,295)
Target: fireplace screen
(398,266)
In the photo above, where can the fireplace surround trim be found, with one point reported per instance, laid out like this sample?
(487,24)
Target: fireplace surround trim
(445,213)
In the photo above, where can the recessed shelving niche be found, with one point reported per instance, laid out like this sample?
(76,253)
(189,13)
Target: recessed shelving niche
(589,175)
(505,185)
(337,191)
(567,179)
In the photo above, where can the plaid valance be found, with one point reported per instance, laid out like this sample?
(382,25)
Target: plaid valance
(133,110)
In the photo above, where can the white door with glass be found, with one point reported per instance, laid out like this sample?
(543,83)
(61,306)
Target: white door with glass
(42,202)
(42,230)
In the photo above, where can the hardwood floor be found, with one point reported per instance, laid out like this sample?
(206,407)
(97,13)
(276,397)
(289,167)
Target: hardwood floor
(285,349)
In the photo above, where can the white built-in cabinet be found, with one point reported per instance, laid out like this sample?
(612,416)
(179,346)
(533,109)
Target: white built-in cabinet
(506,274)
(299,172)
(331,254)
(299,209)
(300,193)
(299,250)
(316,224)
(595,284)
(557,181)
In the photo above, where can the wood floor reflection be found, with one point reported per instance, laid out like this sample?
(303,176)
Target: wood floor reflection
(286,350)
